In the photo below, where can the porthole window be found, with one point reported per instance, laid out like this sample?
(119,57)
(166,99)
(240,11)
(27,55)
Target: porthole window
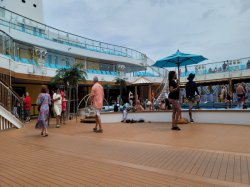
(34,5)
(23,1)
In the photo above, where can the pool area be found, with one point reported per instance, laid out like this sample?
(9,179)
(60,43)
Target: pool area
(234,116)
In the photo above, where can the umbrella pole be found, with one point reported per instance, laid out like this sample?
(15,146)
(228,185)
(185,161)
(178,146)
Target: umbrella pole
(179,74)
(179,82)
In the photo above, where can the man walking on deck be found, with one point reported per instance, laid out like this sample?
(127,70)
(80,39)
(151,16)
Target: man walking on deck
(191,89)
(96,98)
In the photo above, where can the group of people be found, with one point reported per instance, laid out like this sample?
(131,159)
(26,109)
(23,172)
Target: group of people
(44,101)
(97,96)
(241,94)
(192,95)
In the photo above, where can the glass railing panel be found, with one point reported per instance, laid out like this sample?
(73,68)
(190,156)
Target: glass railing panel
(40,30)
(217,67)
(245,64)
(5,14)
(234,65)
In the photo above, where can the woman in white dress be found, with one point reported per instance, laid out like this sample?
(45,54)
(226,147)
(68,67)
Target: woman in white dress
(57,98)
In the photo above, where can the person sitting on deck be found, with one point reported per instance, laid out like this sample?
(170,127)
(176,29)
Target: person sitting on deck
(229,99)
(162,105)
(138,107)
(223,93)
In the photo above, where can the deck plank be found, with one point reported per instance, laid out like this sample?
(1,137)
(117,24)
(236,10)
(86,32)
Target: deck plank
(211,165)
(244,170)
(237,169)
(75,156)
(223,167)
(230,168)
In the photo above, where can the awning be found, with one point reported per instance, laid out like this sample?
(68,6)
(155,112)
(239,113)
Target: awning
(142,80)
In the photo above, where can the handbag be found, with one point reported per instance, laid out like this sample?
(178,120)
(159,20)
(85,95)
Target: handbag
(39,106)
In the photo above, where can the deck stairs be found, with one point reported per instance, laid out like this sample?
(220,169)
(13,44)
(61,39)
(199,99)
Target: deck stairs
(11,105)
(162,91)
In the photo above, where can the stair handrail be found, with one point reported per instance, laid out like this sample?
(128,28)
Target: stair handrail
(15,102)
(154,69)
(86,101)
(162,88)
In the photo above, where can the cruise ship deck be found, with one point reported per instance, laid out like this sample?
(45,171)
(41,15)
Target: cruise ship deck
(140,154)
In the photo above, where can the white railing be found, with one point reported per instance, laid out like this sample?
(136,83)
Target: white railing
(23,24)
(11,108)
(227,68)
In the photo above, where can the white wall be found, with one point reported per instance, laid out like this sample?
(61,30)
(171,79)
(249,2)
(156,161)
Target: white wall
(219,117)
(26,9)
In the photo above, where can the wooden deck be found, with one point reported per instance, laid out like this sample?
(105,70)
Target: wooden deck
(146,154)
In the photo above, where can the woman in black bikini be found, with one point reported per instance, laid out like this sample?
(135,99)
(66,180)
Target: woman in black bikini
(174,98)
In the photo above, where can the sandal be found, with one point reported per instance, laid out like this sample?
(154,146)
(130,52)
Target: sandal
(99,131)
(176,128)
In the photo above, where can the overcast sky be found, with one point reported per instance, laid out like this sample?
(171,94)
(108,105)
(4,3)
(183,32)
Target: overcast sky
(217,29)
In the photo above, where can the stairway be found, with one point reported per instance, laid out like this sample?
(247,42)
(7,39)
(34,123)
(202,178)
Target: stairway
(163,90)
(11,105)
(8,120)
(156,70)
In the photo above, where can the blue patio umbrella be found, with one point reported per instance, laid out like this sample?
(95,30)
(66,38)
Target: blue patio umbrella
(179,59)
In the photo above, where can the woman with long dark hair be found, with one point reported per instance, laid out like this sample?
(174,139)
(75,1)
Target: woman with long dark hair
(174,98)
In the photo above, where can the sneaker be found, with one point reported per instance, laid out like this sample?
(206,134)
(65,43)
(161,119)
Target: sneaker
(57,126)
(100,131)
(176,128)
(191,121)
(94,129)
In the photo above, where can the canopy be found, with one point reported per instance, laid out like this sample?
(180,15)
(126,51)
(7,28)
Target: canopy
(141,80)
(179,59)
